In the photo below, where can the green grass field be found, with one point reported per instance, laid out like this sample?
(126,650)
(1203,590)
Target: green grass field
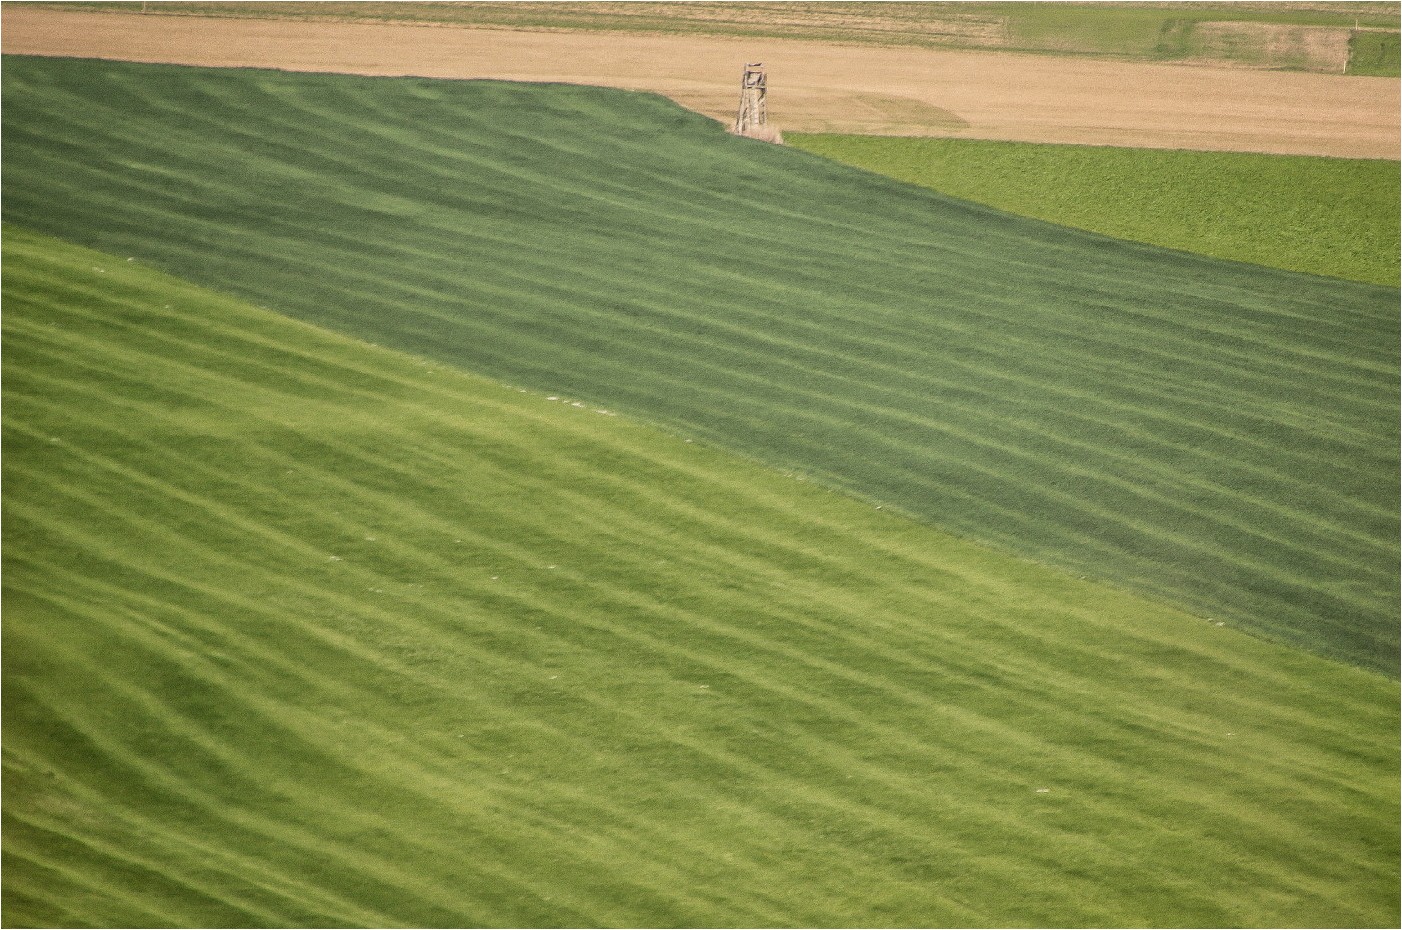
(1217,435)
(1140,31)
(1375,53)
(1329,216)
(304,632)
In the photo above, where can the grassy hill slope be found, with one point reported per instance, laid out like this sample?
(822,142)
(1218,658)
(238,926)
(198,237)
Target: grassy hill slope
(299,631)
(1220,435)
(1329,216)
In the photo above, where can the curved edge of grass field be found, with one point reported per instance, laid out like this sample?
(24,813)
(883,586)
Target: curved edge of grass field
(304,631)
(1332,217)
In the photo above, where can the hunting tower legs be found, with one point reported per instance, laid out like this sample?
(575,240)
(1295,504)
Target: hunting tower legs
(752,118)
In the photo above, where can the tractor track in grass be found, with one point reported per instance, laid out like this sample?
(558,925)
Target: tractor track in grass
(817,87)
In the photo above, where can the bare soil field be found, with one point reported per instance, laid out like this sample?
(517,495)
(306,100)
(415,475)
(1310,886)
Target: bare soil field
(814,86)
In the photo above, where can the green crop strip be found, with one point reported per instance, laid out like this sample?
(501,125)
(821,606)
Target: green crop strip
(1328,216)
(1219,435)
(302,632)
(1375,53)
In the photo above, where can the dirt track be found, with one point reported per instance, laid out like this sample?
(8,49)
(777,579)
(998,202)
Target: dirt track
(813,86)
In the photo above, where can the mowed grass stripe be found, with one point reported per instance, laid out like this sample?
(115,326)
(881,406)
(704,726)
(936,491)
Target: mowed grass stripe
(722,605)
(1339,557)
(768,346)
(880,702)
(830,709)
(179,847)
(147,413)
(664,846)
(412,889)
(416,891)
(364,466)
(156,412)
(1004,736)
(1216,434)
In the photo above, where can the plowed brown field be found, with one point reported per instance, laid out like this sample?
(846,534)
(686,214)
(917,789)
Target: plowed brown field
(814,87)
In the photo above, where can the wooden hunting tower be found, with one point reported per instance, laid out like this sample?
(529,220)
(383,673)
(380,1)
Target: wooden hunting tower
(752,119)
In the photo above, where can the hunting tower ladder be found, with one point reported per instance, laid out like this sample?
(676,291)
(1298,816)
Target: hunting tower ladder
(752,118)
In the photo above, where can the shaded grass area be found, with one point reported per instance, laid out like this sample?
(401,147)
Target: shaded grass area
(1143,31)
(301,632)
(1219,435)
(1329,216)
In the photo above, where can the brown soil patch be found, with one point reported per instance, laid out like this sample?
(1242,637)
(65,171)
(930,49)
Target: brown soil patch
(813,86)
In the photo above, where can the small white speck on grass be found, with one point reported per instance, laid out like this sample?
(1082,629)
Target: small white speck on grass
(1043,790)
(550,566)
(1219,623)
(335,558)
(1231,734)
(494,577)
(688,440)
(131,259)
(553,677)
(576,404)
(369,539)
(552,397)
(878,506)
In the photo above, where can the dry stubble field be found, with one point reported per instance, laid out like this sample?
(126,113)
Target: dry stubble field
(817,87)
